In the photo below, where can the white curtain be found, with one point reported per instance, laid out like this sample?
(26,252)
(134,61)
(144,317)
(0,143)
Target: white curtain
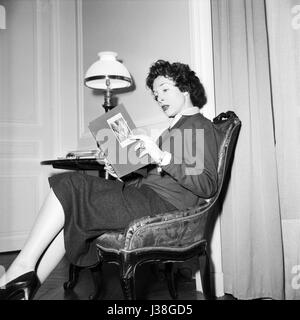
(252,249)
(283,21)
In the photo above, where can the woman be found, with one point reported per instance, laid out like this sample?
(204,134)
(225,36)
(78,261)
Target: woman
(80,207)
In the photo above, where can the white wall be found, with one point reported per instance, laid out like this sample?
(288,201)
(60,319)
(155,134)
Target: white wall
(140,32)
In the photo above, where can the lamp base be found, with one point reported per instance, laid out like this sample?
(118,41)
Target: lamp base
(108,105)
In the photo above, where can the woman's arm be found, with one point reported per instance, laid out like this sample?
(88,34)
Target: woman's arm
(194,159)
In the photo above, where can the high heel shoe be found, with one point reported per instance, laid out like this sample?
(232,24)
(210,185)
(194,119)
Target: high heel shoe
(23,287)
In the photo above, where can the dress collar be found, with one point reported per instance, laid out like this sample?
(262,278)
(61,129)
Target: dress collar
(186,112)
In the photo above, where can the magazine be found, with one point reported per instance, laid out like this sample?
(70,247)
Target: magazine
(112,133)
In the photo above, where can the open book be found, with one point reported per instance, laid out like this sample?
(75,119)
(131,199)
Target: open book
(111,132)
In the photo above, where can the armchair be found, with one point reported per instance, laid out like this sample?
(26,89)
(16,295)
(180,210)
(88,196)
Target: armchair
(172,236)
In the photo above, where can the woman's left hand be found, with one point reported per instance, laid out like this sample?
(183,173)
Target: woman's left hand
(147,146)
(110,170)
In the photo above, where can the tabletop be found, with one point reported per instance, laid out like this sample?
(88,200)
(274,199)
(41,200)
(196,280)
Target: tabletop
(76,164)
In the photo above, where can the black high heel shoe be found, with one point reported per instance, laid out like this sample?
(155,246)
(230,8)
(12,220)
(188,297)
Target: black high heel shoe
(25,286)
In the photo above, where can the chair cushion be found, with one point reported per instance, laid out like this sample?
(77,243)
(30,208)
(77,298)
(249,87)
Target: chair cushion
(176,229)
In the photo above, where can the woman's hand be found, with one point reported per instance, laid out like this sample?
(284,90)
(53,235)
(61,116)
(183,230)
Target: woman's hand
(110,170)
(147,146)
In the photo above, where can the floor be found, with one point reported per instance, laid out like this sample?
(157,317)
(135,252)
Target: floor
(151,284)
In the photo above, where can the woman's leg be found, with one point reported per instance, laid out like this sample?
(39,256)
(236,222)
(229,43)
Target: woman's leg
(48,224)
(51,258)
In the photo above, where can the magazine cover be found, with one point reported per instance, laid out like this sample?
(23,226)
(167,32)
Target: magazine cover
(111,132)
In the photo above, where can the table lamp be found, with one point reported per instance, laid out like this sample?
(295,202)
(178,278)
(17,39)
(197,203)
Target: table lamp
(107,74)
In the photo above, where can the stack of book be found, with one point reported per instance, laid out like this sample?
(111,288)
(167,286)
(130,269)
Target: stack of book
(83,154)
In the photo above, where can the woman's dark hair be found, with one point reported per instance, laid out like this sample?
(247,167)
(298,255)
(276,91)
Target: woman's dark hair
(185,79)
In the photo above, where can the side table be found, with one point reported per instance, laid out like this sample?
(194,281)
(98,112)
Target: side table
(77,164)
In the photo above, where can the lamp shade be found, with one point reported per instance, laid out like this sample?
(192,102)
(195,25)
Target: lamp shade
(107,67)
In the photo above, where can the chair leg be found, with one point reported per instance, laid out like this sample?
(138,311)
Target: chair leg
(205,275)
(127,273)
(73,277)
(97,280)
(170,279)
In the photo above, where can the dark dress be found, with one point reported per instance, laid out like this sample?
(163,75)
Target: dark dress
(93,205)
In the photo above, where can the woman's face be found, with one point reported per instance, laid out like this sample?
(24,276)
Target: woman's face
(168,96)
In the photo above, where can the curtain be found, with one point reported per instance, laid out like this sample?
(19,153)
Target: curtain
(283,21)
(251,236)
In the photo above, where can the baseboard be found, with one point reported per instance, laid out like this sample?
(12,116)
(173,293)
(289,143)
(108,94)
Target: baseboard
(12,242)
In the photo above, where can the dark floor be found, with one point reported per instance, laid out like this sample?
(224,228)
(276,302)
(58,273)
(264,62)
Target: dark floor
(151,284)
